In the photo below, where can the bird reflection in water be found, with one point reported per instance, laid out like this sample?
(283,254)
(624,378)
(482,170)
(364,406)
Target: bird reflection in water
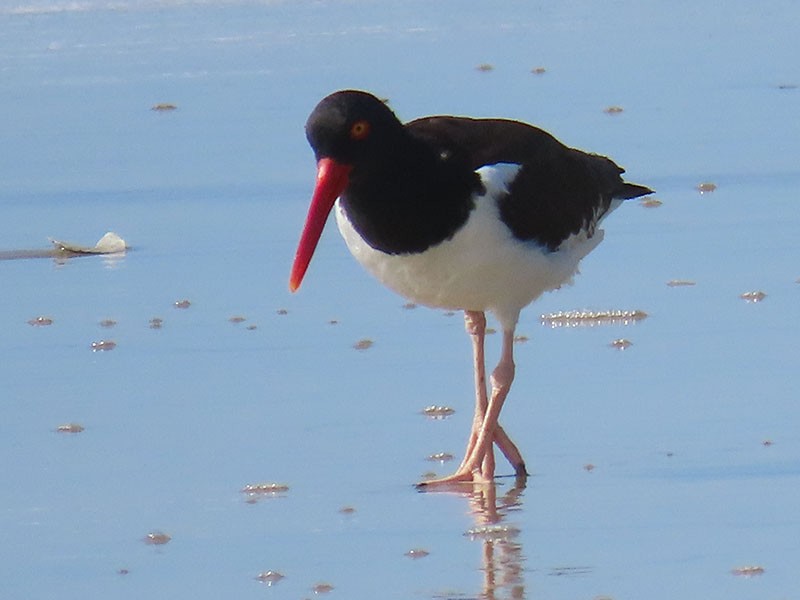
(502,555)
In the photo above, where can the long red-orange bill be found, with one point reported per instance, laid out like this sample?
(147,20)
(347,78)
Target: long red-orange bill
(331,181)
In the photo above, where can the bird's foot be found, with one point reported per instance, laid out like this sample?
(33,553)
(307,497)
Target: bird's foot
(520,470)
(459,481)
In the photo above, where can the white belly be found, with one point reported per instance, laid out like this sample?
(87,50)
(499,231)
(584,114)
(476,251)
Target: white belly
(482,267)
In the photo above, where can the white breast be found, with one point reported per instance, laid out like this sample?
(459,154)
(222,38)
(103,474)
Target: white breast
(482,267)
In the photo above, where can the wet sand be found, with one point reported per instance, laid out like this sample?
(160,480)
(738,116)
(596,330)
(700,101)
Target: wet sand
(177,424)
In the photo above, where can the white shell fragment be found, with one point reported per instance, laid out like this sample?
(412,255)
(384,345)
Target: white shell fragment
(110,243)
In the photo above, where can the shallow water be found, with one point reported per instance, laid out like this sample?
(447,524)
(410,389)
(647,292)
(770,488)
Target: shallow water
(657,470)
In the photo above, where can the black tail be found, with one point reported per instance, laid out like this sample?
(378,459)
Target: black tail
(631,190)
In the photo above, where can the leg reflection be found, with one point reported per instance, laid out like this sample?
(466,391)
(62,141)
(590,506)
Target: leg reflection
(502,554)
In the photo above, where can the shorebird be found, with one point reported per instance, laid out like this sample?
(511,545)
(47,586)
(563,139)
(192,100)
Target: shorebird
(463,214)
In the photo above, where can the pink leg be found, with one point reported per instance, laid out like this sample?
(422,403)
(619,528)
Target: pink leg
(475,324)
(478,464)
(502,377)
(510,451)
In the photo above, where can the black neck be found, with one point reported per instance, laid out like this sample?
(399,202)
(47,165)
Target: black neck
(410,197)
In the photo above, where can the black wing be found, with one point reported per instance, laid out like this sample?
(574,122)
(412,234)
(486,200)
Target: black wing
(557,192)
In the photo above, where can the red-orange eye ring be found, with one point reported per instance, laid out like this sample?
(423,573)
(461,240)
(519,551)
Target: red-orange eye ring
(359,130)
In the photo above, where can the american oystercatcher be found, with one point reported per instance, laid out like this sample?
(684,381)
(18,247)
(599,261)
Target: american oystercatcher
(458,213)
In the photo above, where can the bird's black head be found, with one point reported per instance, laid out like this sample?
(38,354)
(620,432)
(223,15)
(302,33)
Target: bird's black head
(351,125)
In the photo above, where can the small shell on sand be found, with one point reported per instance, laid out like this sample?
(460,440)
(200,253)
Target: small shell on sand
(40,321)
(437,412)
(706,187)
(680,283)
(621,344)
(753,297)
(269,577)
(440,457)
(364,344)
(651,202)
(157,538)
(103,345)
(748,571)
(265,488)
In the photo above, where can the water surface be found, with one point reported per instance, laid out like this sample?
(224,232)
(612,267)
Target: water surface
(657,470)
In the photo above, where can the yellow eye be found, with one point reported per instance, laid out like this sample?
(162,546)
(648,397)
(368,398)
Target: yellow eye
(359,130)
